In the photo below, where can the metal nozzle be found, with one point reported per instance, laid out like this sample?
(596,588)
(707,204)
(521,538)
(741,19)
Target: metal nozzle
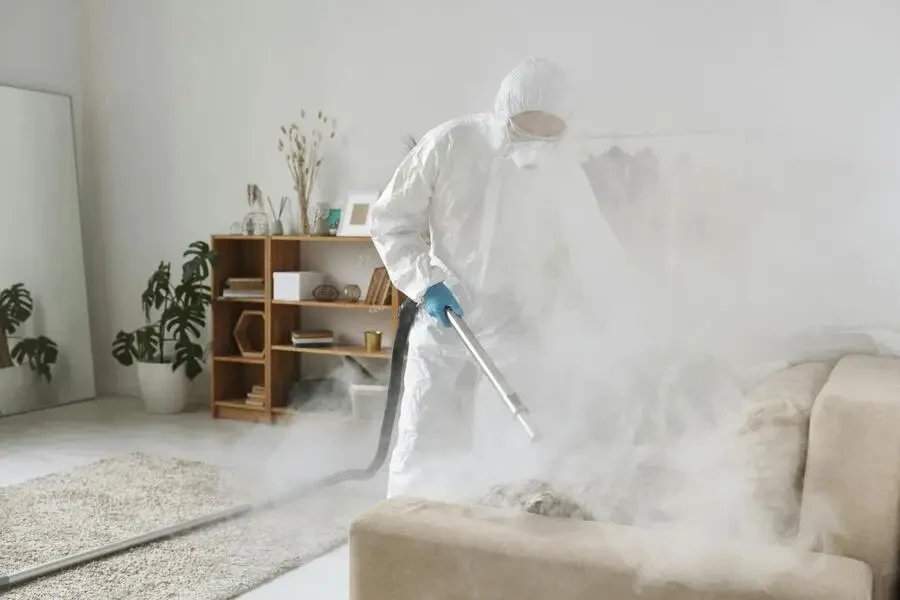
(530,429)
(507,394)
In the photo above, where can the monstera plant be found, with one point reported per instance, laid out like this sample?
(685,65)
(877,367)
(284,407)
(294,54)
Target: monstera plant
(19,353)
(167,348)
(39,353)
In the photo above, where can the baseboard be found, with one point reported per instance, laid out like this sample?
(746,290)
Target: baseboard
(200,389)
(118,382)
(47,407)
(199,399)
(123,382)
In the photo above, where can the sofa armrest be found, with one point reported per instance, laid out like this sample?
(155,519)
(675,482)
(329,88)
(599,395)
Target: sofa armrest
(408,549)
(851,486)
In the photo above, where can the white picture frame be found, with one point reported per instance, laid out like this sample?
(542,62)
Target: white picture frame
(355,214)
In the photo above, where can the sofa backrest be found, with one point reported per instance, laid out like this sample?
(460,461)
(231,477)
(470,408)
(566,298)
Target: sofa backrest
(774,434)
(851,487)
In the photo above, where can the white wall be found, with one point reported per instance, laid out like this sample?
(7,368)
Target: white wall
(39,45)
(41,48)
(185,97)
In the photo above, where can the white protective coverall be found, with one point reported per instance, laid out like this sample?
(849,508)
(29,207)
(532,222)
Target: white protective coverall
(460,210)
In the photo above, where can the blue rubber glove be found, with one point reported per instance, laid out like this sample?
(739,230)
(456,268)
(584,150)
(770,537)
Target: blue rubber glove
(438,298)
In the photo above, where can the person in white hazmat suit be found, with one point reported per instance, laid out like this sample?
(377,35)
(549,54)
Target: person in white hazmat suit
(472,221)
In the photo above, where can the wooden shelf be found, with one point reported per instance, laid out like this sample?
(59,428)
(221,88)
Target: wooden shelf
(356,351)
(238,411)
(317,304)
(321,238)
(245,360)
(295,238)
(234,375)
(247,299)
(239,236)
(286,415)
(240,404)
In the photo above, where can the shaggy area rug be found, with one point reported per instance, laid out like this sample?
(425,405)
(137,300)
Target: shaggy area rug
(110,500)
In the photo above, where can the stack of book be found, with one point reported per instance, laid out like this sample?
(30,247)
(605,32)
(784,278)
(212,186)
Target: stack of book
(312,339)
(256,396)
(244,287)
(380,287)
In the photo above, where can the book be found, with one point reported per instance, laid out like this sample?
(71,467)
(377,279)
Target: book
(318,333)
(319,343)
(312,339)
(373,287)
(229,293)
(386,293)
(381,282)
(245,284)
(256,396)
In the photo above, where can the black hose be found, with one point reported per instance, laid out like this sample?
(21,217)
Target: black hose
(406,318)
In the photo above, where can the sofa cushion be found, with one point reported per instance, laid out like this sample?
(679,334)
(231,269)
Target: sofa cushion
(775,430)
(408,549)
(851,487)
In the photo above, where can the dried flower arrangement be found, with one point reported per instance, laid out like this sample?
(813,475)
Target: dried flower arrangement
(304,156)
(254,196)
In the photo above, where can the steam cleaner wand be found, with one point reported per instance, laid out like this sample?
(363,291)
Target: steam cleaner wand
(507,394)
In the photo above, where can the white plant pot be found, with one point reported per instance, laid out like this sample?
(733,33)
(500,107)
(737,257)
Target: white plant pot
(16,390)
(163,390)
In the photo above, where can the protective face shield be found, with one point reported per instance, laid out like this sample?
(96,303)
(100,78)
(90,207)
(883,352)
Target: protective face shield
(530,155)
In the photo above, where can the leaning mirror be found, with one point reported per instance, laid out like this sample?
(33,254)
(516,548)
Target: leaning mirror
(45,342)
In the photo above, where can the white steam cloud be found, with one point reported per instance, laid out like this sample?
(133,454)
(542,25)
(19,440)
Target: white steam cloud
(759,247)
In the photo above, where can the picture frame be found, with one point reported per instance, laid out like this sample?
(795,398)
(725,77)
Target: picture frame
(355,214)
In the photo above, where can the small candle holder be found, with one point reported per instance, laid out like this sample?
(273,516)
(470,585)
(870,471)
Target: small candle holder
(373,341)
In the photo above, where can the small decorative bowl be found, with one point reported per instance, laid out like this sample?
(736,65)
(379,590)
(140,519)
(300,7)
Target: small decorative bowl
(325,293)
(351,293)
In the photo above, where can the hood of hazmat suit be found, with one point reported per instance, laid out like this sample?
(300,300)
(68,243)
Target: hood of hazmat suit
(496,207)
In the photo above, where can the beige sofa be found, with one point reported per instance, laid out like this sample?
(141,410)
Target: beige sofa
(846,418)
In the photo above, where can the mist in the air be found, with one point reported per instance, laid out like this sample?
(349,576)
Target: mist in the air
(725,254)
(767,242)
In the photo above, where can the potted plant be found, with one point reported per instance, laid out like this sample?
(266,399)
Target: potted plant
(166,348)
(39,353)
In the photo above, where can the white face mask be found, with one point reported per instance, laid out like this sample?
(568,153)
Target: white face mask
(528,155)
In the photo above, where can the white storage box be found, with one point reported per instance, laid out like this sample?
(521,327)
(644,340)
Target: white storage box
(368,400)
(295,285)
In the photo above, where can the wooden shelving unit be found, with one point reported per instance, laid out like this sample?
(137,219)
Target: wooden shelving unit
(234,375)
